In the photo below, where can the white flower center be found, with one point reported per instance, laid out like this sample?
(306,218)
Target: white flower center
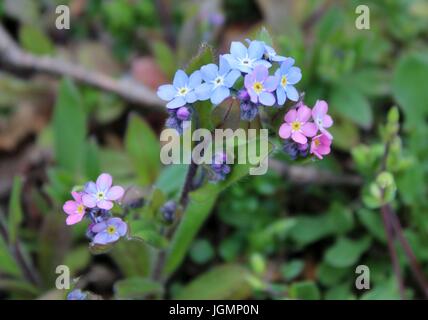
(100,195)
(246,62)
(182,91)
(219,81)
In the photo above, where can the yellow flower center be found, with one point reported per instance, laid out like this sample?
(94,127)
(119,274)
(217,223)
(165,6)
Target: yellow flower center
(284,81)
(317,142)
(111,230)
(296,125)
(100,195)
(258,87)
(80,209)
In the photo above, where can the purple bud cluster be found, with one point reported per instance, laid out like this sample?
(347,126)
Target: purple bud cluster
(178,117)
(220,168)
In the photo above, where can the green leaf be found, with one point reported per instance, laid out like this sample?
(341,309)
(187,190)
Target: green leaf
(309,229)
(33,40)
(219,283)
(292,269)
(137,288)
(346,252)
(92,160)
(8,264)
(164,58)
(15,209)
(171,178)
(305,290)
(200,205)
(330,276)
(69,128)
(77,259)
(409,86)
(351,104)
(373,223)
(143,148)
(201,251)
(133,258)
(24,289)
(264,35)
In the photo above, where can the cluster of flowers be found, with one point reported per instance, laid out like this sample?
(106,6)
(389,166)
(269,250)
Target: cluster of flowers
(95,202)
(259,88)
(298,127)
(217,83)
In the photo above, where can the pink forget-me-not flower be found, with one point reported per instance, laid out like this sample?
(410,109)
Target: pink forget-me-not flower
(101,194)
(74,208)
(321,118)
(320,145)
(297,125)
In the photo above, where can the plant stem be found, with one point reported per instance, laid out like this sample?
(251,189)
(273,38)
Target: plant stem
(393,254)
(184,200)
(414,265)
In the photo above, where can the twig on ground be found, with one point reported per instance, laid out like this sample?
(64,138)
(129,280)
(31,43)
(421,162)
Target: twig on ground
(12,55)
(308,175)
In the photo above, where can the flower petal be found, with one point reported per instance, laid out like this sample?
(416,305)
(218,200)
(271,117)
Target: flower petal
(104,182)
(203,92)
(224,66)
(90,187)
(70,207)
(191,97)
(219,95)
(105,204)
(231,78)
(237,49)
(290,116)
(115,193)
(260,73)
(253,96)
(195,79)
(209,72)
(299,137)
(180,79)
(176,103)
(309,129)
(292,93)
(122,228)
(74,218)
(99,227)
(256,50)
(249,81)
(89,200)
(303,113)
(267,98)
(271,83)
(320,109)
(280,96)
(327,121)
(285,131)
(105,238)
(263,63)
(166,92)
(286,65)
(77,196)
(294,75)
